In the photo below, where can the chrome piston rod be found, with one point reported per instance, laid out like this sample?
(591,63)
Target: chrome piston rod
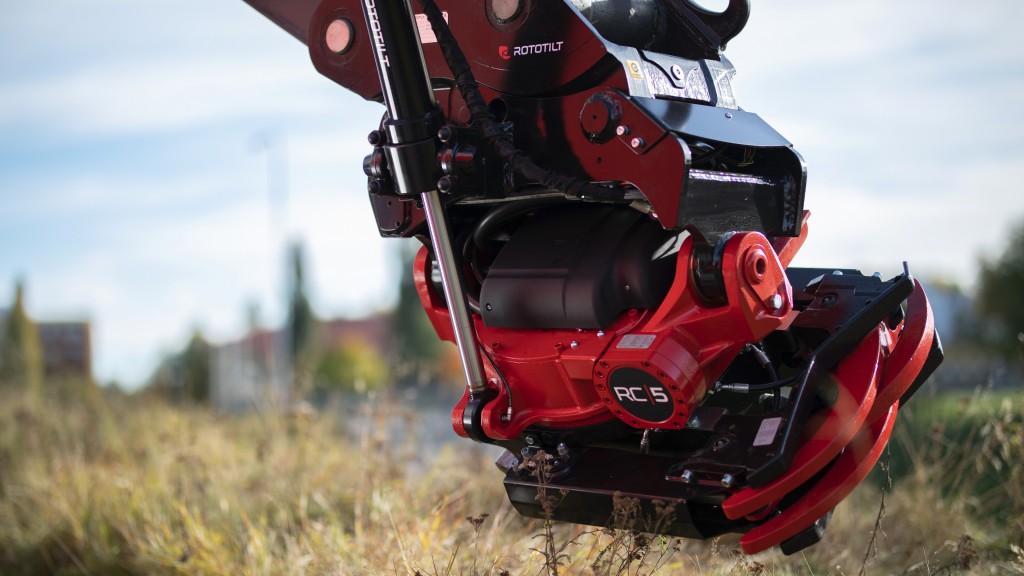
(454,292)
(411,134)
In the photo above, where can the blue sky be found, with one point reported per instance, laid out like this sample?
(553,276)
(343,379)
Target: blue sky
(135,139)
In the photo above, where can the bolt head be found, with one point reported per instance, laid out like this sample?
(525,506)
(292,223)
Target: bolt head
(637,143)
(574,344)
(776,302)
(446,183)
(677,71)
(686,476)
(728,481)
(622,130)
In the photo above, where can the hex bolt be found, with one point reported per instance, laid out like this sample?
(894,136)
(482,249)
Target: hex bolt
(775,302)
(686,477)
(637,143)
(622,130)
(728,481)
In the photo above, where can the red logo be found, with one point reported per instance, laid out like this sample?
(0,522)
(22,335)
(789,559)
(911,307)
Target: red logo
(503,52)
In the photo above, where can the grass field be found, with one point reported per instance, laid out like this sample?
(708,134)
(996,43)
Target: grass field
(104,484)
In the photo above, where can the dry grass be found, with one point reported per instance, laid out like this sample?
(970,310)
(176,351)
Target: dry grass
(95,485)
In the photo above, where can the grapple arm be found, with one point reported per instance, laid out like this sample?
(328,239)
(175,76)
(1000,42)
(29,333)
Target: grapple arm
(614,264)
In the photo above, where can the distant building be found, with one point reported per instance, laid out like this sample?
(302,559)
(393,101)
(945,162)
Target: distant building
(255,371)
(251,372)
(374,331)
(67,348)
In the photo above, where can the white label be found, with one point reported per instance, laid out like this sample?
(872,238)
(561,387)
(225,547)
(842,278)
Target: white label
(766,433)
(636,341)
(426,32)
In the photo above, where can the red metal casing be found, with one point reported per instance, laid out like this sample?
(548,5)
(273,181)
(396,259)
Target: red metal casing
(566,378)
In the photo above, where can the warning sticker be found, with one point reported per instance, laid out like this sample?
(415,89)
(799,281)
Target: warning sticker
(766,433)
(636,341)
(634,69)
(426,32)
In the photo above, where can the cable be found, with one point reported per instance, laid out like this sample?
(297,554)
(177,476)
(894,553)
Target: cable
(755,388)
(763,358)
(495,137)
(501,376)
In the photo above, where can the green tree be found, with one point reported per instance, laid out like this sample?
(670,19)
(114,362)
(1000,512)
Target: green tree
(1001,296)
(355,365)
(185,375)
(21,356)
(301,324)
(193,369)
(416,345)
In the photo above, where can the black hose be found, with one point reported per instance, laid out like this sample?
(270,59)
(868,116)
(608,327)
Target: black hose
(486,226)
(494,136)
(756,388)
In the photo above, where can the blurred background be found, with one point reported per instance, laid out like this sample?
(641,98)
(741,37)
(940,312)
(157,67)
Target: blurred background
(164,167)
(186,241)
